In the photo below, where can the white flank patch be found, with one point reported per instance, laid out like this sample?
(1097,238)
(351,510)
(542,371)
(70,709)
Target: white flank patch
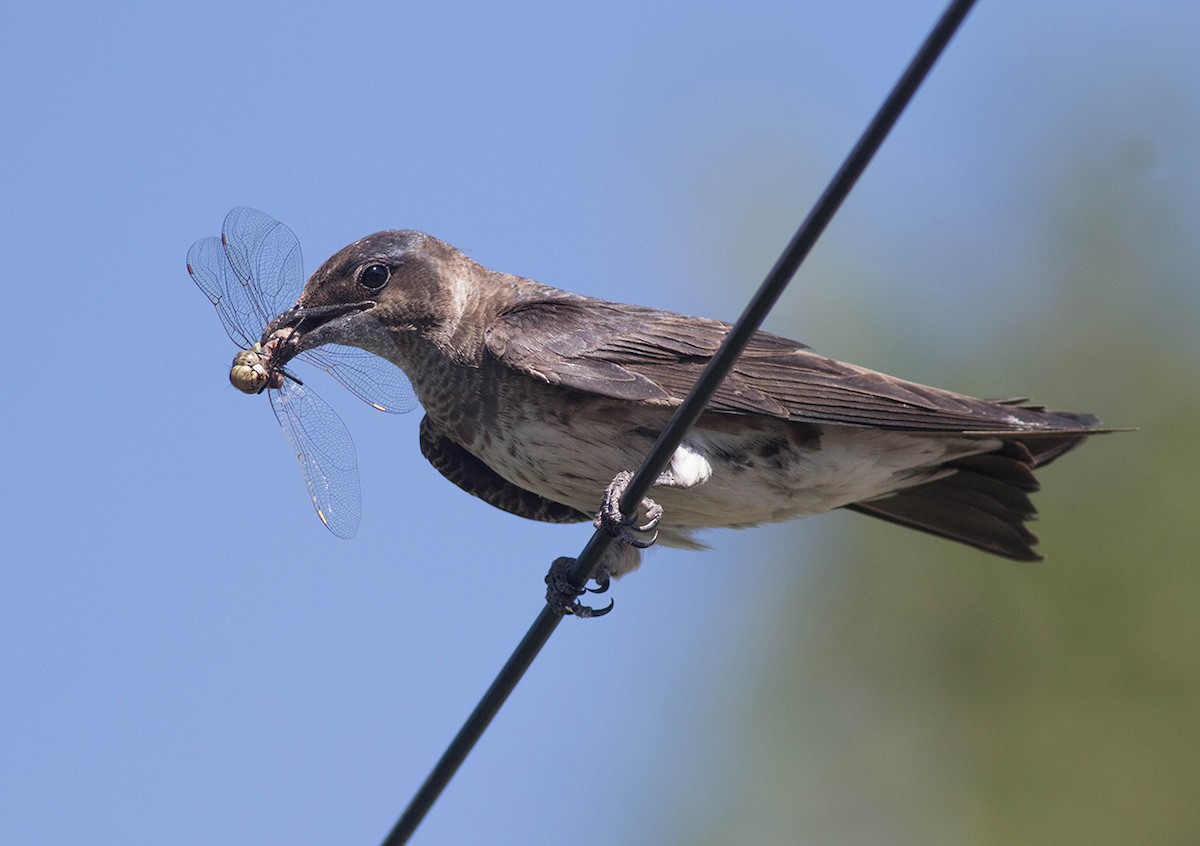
(687,469)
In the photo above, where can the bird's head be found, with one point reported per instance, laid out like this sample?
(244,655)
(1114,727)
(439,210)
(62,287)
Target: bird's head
(384,293)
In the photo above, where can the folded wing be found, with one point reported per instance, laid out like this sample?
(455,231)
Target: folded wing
(645,355)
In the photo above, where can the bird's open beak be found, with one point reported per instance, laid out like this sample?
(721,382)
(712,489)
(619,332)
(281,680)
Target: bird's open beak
(347,324)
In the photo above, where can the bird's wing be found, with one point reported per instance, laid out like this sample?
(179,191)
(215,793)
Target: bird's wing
(654,357)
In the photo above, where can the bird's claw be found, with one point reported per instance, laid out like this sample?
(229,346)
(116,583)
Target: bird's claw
(563,597)
(602,584)
(610,519)
(561,594)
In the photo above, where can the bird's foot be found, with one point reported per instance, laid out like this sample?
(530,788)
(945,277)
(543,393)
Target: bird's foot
(563,597)
(610,519)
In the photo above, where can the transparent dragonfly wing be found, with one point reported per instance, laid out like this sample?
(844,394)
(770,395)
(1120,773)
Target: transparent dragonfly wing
(210,270)
(266,258)
(325,450)
(374,380)
(253,273)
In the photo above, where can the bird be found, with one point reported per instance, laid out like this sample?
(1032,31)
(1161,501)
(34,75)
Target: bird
(538,400)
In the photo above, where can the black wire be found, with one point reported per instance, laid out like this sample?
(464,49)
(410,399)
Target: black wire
(687,413)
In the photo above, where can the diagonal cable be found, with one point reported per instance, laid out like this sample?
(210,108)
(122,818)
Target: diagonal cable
(687,413)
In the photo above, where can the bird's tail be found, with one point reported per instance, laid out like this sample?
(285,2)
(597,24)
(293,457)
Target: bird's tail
(986,503)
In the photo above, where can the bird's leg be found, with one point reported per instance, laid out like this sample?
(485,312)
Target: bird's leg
(610,519)
(563,597)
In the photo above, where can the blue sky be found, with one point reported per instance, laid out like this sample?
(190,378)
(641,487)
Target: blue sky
(187,655)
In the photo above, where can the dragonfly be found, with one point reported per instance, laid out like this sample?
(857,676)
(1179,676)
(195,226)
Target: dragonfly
(252,273)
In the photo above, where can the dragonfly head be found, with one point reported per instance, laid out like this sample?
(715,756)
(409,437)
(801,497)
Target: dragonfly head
(249,372)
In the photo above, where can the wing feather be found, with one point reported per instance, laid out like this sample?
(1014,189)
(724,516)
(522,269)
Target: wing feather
(645,355)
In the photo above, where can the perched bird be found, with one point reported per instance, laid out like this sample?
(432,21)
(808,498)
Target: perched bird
(536,398)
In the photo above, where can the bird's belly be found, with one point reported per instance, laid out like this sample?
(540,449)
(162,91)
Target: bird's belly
(568,453)
(732,471)
(756,480)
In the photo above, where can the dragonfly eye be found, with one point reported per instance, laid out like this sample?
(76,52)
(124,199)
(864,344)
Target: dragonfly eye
(374,276)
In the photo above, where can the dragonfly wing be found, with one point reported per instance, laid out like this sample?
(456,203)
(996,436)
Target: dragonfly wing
(266,257)
(210,270)
(326,454)
(374,380)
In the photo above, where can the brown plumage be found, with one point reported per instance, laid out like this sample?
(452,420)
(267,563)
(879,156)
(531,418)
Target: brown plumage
(535,397)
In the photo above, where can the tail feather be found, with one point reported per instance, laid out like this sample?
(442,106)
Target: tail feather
(986,503)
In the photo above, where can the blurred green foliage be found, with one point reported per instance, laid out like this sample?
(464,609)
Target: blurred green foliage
(925,693)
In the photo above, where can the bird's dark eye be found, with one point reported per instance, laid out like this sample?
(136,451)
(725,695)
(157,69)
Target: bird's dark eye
(374,276)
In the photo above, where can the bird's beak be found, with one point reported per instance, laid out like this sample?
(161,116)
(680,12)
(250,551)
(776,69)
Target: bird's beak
(347,324)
